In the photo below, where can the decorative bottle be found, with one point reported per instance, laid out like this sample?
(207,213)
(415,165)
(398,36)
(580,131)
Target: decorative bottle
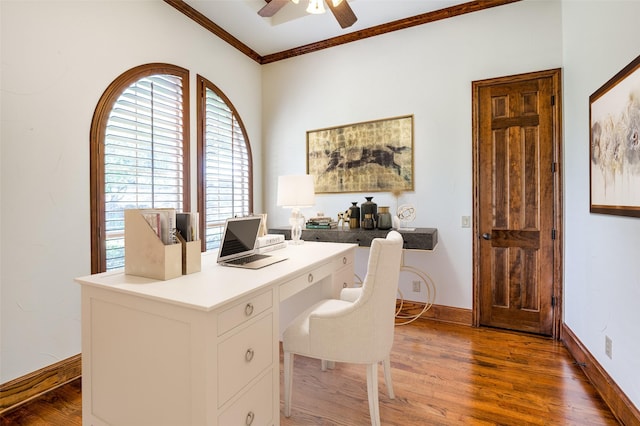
(370,207)
(368,223)
(354,215)
(384,218)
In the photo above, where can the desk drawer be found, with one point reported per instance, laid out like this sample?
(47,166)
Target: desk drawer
(303,281)
(244,311)
(254,408)
(243,356)
(343,276)
(344,260)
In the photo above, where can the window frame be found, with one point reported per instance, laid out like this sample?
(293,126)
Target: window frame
(97,139)
(202,85)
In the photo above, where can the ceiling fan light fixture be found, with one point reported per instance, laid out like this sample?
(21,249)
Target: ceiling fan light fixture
(336,3)
(316,7)
(295,1)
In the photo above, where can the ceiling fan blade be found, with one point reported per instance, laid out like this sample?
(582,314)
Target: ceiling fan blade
(343,13)
(272,7)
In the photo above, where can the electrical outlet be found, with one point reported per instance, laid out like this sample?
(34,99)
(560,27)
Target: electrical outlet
(416,286)
(608,343)
(466,221)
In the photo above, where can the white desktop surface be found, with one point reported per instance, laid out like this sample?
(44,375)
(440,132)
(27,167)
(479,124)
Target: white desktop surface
(215,285)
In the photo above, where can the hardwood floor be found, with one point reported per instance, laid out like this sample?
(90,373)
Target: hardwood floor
(447,374)
(443,374)
(62,406)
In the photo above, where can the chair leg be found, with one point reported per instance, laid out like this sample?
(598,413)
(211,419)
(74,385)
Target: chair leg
(288,381)
(372,392)
(387,377)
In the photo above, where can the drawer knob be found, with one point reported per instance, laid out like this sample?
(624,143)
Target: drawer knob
(249,420)
(344,260)
(248,309)
(310,278)
(248,356)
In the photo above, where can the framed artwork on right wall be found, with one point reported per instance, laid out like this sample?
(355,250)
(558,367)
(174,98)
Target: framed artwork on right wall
(614,118)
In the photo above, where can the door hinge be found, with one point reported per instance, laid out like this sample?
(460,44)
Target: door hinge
(553,301)
(553,100)
(553,234)
(554,166)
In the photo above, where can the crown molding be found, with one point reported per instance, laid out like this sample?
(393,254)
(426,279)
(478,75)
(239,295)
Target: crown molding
(425,18)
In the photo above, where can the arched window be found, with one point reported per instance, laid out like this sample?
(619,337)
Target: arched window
(139,154)
(224,163)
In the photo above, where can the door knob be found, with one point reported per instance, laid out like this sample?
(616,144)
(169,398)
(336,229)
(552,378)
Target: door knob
(486,236)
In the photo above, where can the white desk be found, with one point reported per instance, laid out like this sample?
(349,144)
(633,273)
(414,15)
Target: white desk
(201,349)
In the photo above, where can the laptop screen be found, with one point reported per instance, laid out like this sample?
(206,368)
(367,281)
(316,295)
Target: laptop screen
(239,236)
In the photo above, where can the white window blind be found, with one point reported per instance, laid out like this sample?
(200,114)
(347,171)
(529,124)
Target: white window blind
(143,155)
(226,174)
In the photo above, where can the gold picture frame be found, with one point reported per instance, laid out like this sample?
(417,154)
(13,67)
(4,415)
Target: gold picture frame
(371,156)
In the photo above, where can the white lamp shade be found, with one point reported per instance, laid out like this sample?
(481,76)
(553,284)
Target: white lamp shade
(296,191)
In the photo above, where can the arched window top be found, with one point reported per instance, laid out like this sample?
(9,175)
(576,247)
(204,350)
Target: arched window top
(225,163)
(127,78)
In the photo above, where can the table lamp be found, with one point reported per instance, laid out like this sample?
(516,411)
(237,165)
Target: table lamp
(296,192)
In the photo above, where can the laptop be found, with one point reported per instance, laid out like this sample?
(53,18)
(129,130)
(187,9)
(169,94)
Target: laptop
(238,244)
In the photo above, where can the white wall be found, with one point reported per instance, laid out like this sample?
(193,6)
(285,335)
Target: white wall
(426,71)
(57,60)
(602,253)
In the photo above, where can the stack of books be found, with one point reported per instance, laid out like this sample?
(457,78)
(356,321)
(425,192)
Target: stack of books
(166,222)
(270,242)
(322,222)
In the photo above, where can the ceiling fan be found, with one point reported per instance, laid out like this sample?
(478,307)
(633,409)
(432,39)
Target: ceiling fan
(340,9)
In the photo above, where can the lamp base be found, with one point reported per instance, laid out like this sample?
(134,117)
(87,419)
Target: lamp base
(296,221)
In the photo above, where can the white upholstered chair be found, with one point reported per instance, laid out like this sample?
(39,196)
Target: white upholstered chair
(355,331)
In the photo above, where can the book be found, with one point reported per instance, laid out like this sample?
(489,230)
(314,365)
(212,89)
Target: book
(321,219)
(166,218)
(187,226)
(322,226)
(153,219)
(269,239)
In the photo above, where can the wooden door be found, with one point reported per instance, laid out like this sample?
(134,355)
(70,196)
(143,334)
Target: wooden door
(517,202)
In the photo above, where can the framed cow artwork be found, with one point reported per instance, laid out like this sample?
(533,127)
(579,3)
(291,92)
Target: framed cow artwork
(372,156)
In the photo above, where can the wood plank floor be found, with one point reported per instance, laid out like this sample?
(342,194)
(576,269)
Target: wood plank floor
(443,374)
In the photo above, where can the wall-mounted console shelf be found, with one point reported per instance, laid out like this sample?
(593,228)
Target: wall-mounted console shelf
(418,239)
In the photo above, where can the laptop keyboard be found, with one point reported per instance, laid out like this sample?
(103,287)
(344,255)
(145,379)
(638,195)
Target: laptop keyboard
(247,259)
